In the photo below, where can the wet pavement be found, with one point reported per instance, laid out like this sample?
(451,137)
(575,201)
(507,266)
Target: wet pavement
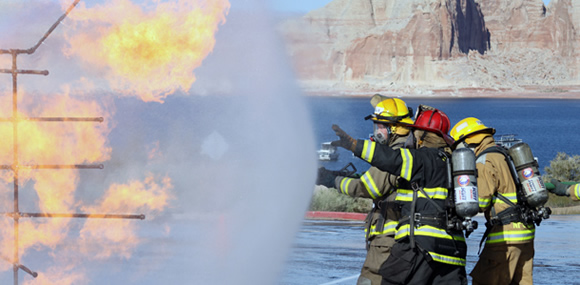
(332,252)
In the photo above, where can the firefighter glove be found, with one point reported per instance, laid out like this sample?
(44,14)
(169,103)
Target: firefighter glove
(345,141)
(560,188)
(325,177)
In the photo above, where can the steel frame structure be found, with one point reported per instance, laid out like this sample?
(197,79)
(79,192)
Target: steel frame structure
(15,119)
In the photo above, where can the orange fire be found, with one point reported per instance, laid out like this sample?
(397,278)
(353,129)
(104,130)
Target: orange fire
(147,51)
(67,143)
(119,237)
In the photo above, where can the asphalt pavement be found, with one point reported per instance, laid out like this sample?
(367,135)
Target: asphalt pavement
(332,252)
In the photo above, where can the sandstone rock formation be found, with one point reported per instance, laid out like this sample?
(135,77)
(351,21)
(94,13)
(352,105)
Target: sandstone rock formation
(417,46)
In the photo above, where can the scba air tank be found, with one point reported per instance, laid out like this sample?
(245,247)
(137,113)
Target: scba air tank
(465,182)
(527,168)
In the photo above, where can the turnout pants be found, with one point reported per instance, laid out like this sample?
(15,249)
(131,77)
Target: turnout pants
(415,267)
(379,251)
(505,264)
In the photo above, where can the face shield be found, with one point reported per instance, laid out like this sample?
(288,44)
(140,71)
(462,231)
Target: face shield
(381,133)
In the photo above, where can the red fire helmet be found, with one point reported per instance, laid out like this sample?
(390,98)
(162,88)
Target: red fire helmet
(434,121)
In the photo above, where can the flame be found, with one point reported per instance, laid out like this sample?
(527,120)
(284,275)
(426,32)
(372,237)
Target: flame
(118,236)
(50,143)
(66,143)
(153,152)
(147,52)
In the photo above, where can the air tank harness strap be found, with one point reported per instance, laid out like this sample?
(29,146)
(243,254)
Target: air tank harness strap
(368,221)
(418,219)
(412,216)
(505,217)
(380,207)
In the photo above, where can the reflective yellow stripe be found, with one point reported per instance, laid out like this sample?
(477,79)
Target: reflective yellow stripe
(344,185)
(407,166)
(405,195)
(447,259)
(370,185)
(511,236)
(511,196)
(577,191)
(484,203)
(434,193)
(368,151)
(428,231)
(389,229)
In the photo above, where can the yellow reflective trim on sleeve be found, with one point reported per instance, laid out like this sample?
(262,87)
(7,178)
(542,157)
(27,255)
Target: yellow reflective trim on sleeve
(404,195)
(344,185)
(484,203)
(388,229)
(368,151)
(370,185)
(407,167)
(447,259)
(577,191)
(513,197)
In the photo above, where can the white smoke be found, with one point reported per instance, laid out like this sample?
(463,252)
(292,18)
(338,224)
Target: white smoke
(257,178)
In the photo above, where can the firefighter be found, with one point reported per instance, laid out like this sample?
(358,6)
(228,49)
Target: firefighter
(426,251)
(390,124)
(508,254)
(561,189)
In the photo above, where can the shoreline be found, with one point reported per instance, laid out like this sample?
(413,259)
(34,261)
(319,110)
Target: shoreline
(351,216)
(571,92)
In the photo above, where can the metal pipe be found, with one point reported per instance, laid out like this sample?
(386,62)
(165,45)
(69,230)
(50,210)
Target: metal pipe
(11,51)
(17,265)
(63,166)
(15,162)
(82,215)
(33,49)
(75,215)
(24,71)
(56,119)
(54,166)
(27,270)
(66,119)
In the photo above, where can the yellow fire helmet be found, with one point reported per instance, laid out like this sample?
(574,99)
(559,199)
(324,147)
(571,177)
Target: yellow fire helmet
(472,130)
(391,111)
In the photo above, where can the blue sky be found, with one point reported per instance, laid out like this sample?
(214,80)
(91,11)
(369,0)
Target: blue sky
(304,6)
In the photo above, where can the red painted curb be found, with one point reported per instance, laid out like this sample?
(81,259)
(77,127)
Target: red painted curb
(335,216)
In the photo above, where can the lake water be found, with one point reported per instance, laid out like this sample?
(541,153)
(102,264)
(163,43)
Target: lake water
(548,126)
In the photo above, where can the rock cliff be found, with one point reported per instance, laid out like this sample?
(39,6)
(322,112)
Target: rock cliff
(417,46)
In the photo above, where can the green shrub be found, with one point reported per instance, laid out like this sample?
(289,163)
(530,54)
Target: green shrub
(564,168)
(325,199)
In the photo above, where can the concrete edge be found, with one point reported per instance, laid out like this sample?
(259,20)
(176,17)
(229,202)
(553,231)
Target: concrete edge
(321,215)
